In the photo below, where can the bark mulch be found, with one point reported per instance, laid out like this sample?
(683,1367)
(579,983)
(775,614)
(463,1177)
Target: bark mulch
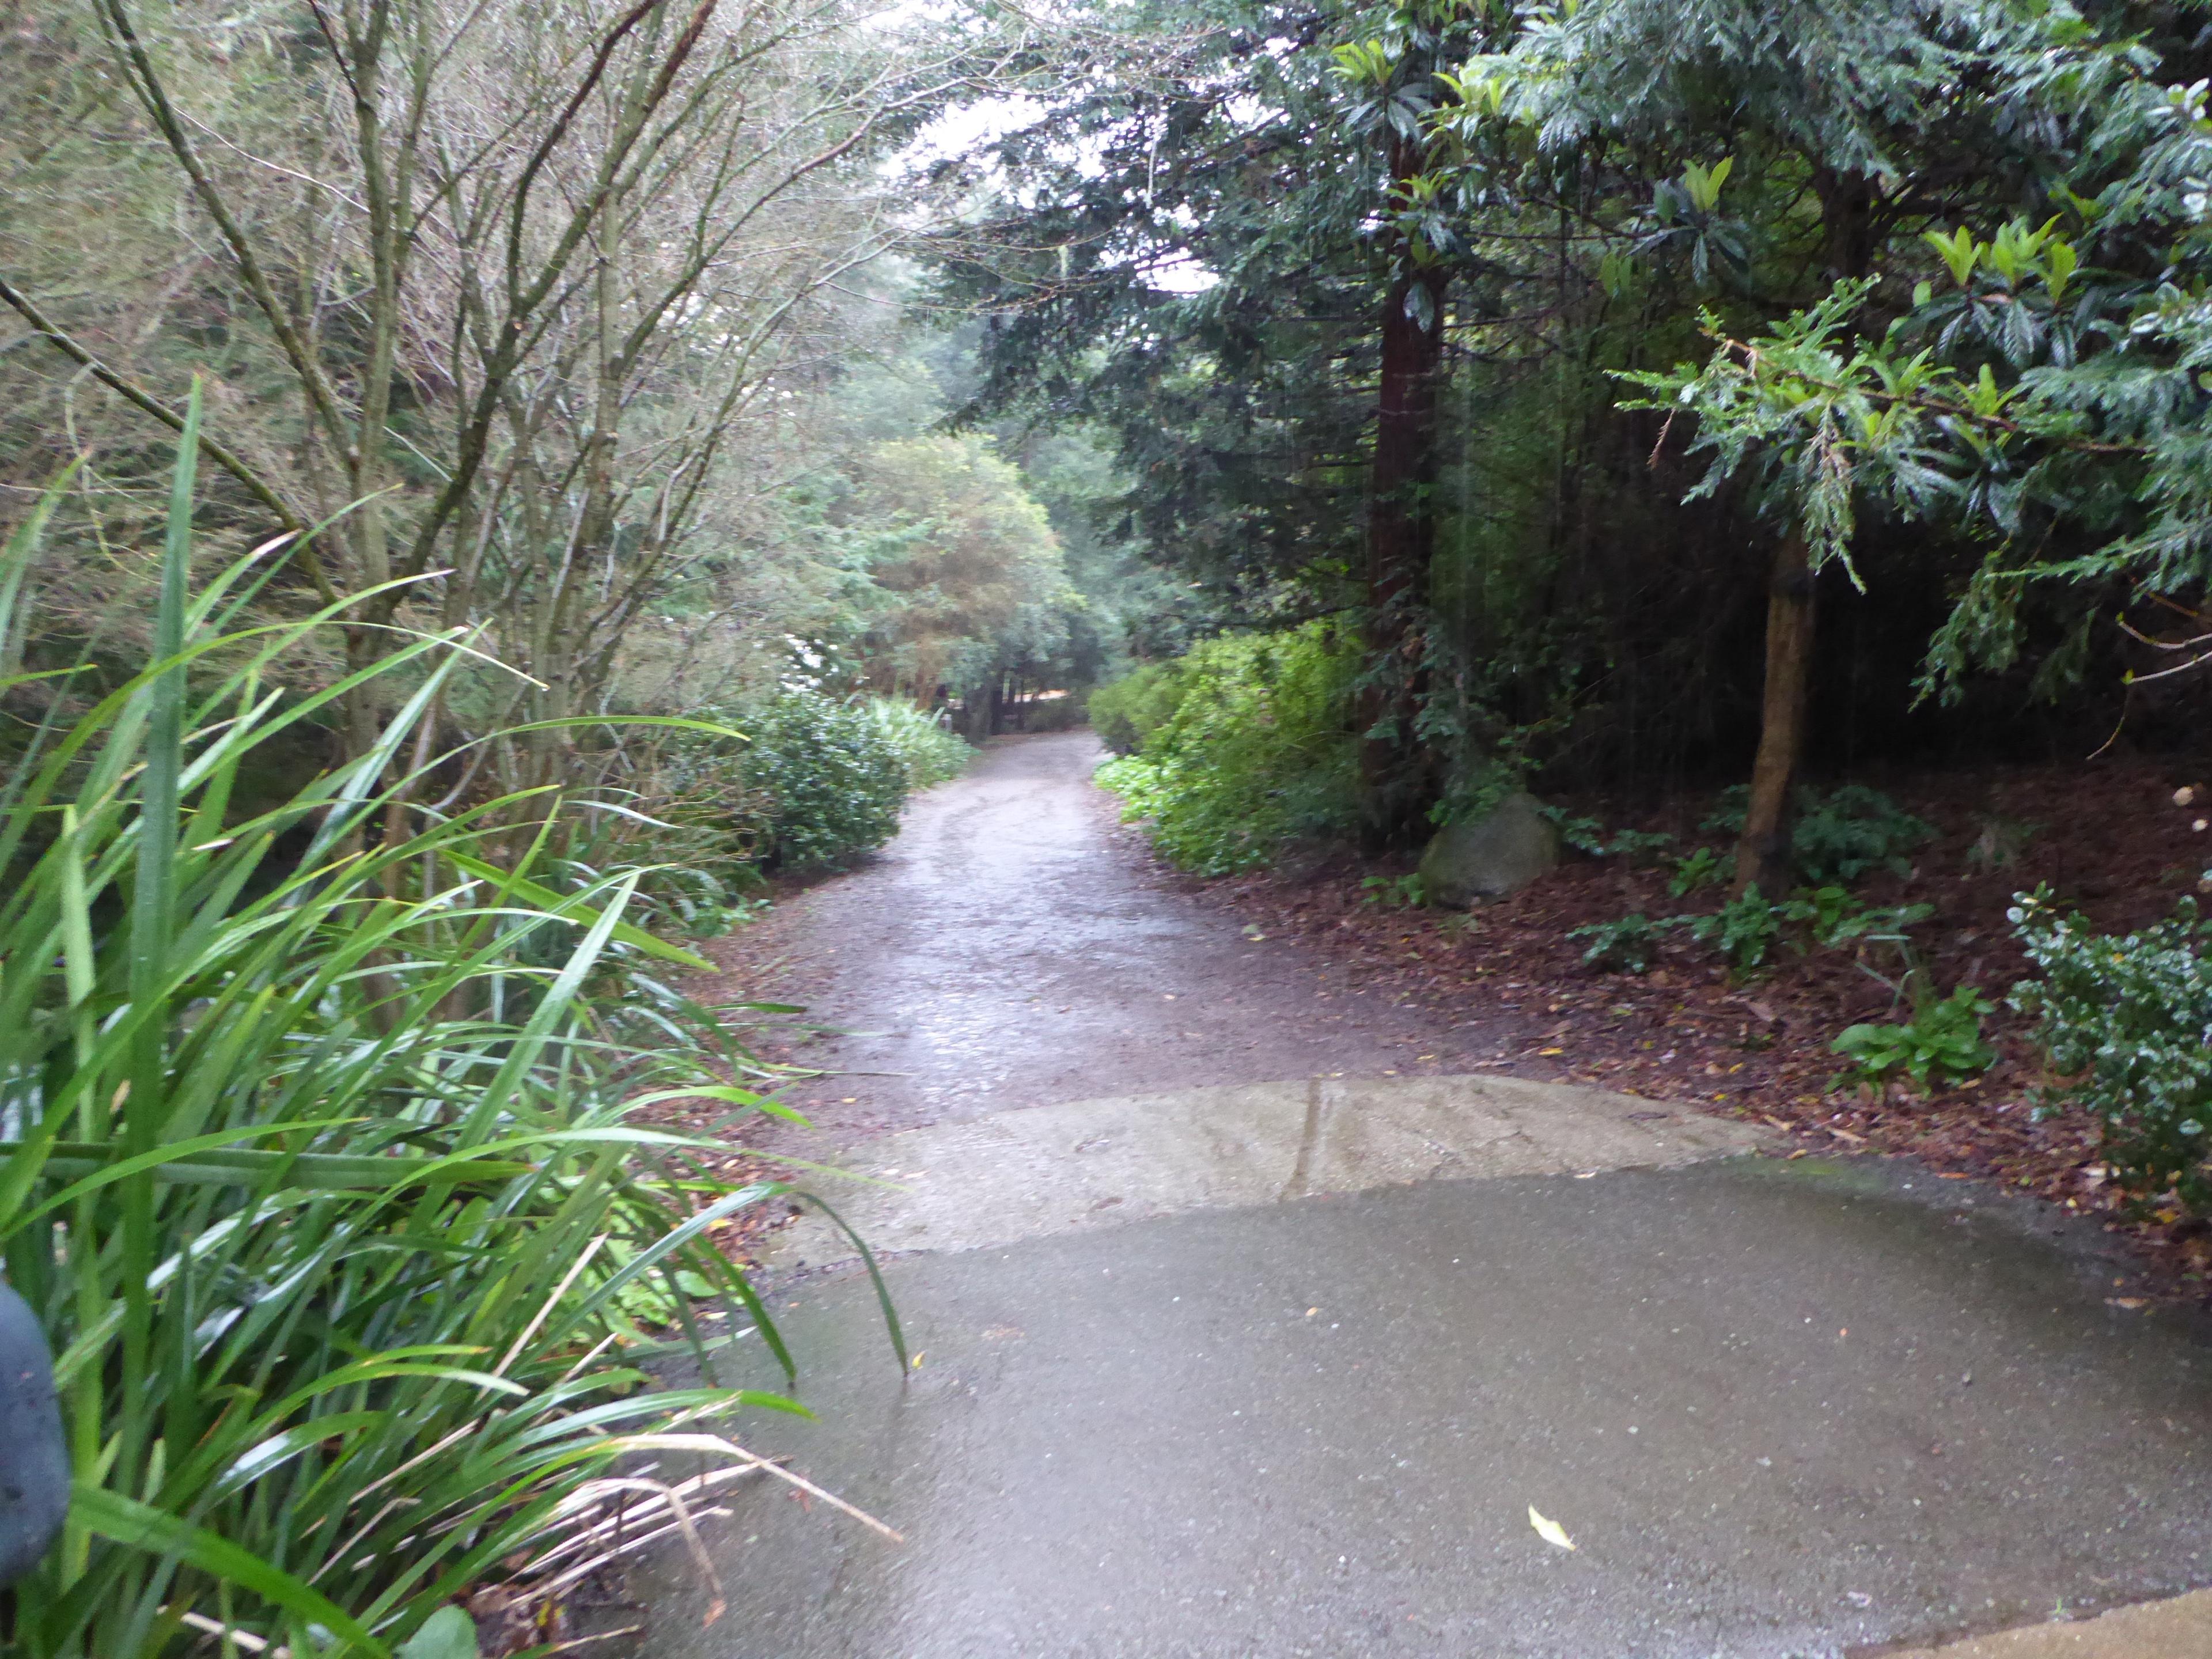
(2109,837)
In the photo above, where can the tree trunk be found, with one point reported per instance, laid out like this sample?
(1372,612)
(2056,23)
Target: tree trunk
(1397,777)
(1763,856)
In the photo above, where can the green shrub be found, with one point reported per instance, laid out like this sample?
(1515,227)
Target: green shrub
(2133,1016)
(1626,946)
(1125,712)
(812,782)
(1839,836)
(1853,830)
(828,779)
(1833,917)
(1406,892)
(1743,930)
(1260,750)
(1940,1044)
(1588,834)
(1703,868)
(1063,713)
(321,1172)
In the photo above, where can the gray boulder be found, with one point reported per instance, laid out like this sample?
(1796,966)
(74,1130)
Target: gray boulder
(1489,857)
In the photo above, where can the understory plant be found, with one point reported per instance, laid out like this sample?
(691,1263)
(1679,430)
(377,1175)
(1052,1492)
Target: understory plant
(2130,1020)
(1839,836)
(1260,750)
(928,751)
(1126,711)
(796,782)
(1941,1044)
(1745,931)
(1406,892)
(323,1171)
(825,783)
(1626,945)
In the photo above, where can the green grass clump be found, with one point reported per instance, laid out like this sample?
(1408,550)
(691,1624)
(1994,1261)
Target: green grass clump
(321,1167)
(928,750)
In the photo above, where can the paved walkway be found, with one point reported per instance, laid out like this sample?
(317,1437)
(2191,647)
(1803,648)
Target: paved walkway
(1278,1363)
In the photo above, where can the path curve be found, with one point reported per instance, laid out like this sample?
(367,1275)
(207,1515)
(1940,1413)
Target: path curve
(1248,1315)
(1016,946)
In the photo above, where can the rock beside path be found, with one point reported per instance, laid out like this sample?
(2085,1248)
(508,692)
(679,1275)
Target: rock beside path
(1490,857)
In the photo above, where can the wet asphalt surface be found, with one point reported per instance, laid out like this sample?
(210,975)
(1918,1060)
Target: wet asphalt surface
(1015,946)
(1783,1409)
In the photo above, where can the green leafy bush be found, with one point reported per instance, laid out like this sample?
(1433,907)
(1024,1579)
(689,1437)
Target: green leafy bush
(1743,930)
(1833,917)
(812,782)
(1588,834)
(1853,830)
(826,779)
(322,1171)
(1940,1044)
(1626,946)
(1839,836)
(1260,750)
(1637,846)
(1701,869)
(1125,712)
(2132,1015)
(1406,892)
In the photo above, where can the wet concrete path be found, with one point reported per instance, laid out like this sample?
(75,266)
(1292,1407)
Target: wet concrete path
(1218,1359)
(1015,947)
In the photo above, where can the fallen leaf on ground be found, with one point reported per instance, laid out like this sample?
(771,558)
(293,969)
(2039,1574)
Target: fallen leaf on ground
(1549,1530)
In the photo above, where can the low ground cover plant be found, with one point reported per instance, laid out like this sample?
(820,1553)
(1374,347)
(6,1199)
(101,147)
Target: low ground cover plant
(1839,836)
(1941,1044)
(1626,946)
(1745,931)
(1126,711)
(797,781)
(927,747)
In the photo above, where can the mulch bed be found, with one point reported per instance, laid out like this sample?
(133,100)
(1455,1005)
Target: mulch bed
(2111,841)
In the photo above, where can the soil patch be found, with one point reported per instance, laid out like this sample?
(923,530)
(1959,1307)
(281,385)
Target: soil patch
(2109,839)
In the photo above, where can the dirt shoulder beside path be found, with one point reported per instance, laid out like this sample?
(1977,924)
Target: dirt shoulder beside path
(2108,838)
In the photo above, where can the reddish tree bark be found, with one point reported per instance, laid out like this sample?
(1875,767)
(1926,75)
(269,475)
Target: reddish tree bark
(1396,775)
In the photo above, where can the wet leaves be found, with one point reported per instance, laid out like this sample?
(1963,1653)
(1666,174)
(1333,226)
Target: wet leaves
(1513,987)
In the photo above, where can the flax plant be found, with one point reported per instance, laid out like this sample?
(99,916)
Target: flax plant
(320,1168)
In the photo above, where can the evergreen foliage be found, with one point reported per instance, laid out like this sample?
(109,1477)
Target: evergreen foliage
(1258,750)
(2131,1019)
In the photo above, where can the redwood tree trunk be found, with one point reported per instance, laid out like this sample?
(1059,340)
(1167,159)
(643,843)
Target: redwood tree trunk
(1763,858)
(1397,777)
